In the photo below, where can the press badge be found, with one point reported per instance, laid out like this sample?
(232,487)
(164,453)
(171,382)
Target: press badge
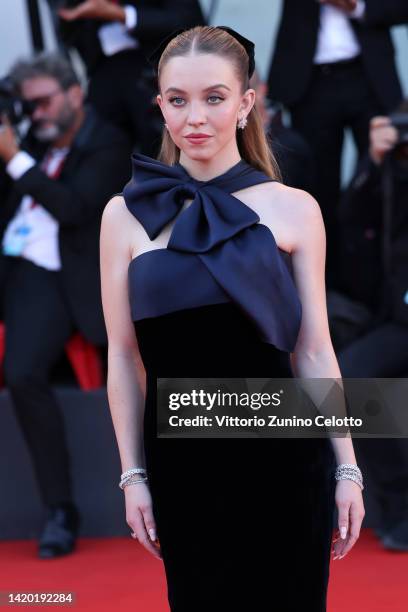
(16,240)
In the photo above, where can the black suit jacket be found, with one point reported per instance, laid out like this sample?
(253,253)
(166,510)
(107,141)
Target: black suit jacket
(292,64)
(97,166)
(361,241)
(380,13)
(155,20)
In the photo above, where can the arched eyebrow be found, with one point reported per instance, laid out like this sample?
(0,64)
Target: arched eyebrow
(217,86)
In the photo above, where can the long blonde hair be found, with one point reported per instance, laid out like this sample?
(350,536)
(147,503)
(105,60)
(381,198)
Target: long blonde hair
(252,143)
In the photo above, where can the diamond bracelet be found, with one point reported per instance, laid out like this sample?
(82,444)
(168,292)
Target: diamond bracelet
(349,471)
(131,481)
(127,476)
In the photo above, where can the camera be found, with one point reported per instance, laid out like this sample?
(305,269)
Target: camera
(400,121)
(14,107)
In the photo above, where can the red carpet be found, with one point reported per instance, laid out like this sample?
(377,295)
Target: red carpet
(117,573)
(369,579)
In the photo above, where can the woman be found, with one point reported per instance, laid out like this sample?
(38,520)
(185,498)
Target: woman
(192,261)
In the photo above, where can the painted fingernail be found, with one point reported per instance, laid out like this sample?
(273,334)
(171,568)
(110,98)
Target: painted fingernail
(343,532)
(152,534)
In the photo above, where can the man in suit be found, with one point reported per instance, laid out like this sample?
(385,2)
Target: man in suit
(334,67)
(55,186)
(375,272)
(114,38)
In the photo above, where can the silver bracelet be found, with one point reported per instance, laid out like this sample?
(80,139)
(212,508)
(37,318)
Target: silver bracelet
(126,476)
(131,482)
(349,471)
(136,470)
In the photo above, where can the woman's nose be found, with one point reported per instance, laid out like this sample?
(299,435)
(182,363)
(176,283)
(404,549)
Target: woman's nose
(196,114)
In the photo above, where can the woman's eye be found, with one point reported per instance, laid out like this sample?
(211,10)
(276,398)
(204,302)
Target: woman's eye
(216,98)
(176,101)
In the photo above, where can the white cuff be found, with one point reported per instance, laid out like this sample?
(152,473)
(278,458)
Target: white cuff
(19,164)
(130,16)
(359,11)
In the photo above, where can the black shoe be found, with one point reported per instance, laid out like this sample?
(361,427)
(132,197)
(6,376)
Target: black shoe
(60,531)
(397,537)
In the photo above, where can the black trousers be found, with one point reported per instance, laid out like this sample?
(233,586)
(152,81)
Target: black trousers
(382,353)
(121,94)
(339,97)
(38,324)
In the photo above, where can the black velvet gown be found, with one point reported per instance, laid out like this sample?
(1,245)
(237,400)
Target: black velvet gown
(243,523)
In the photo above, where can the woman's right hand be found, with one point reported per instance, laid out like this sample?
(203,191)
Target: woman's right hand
(139,517)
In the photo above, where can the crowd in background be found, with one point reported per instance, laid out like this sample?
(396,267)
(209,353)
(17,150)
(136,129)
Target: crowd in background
(333,68)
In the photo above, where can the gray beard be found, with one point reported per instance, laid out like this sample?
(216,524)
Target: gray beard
(47,134)
(55,130)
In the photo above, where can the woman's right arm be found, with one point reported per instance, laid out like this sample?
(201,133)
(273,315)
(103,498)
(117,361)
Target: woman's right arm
(126,375)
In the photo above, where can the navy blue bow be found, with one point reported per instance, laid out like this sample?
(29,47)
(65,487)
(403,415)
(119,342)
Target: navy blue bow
(225,233)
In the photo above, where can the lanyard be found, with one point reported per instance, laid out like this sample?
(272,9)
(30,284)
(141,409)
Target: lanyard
(45,167)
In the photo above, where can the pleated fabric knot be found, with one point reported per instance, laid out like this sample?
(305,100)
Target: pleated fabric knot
(213,216)
(239,252)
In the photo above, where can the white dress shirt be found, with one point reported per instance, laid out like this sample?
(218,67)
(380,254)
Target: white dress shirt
(336,39)
(33,232)
(115,37)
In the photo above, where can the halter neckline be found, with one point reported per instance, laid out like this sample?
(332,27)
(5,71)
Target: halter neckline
(239,252)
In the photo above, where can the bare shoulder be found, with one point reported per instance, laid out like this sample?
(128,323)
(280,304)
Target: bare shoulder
(115,233)
(302,213)
(290,199)
(287,211)
(115,210)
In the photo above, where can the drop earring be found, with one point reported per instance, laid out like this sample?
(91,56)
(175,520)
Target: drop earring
(242,123)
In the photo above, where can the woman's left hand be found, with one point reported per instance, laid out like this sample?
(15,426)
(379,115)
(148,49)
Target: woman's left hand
(350,506)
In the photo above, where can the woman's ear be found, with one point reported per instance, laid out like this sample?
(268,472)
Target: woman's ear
(159,101)
(248,101)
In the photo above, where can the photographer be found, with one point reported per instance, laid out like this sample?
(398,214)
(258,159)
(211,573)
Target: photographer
(374,239)
(55,185)
(374,251)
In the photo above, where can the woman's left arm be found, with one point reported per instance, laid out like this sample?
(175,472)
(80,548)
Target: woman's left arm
(314,356)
